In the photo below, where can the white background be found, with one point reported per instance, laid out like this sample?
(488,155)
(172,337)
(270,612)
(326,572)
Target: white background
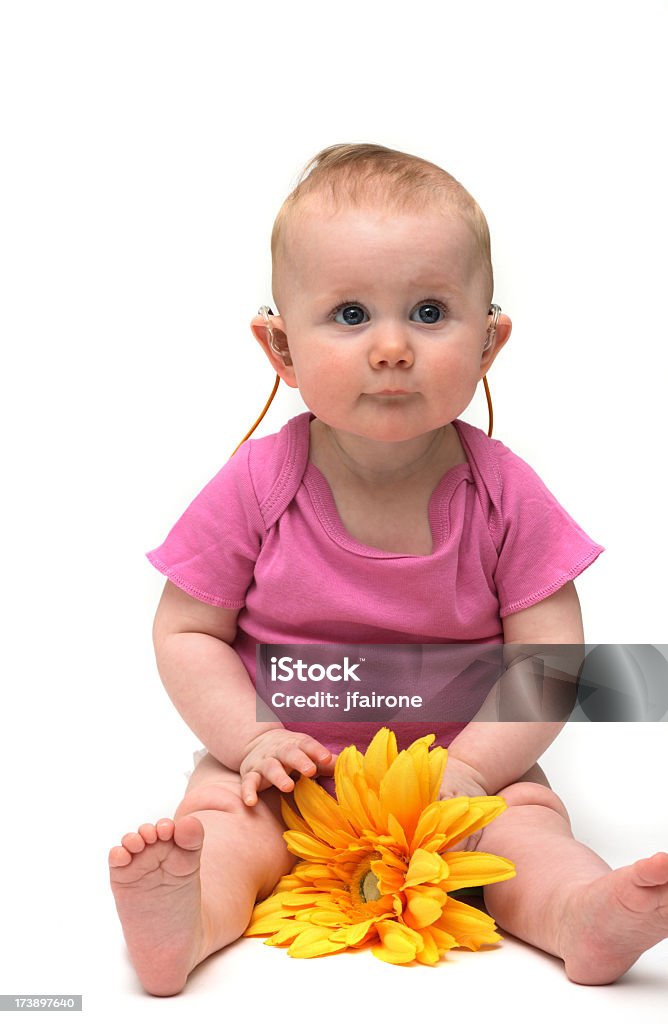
(146,149)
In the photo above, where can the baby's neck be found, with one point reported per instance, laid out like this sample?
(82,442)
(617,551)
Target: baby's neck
(380,464)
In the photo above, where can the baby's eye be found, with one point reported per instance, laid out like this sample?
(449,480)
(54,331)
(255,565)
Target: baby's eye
(352,315)
(428,313)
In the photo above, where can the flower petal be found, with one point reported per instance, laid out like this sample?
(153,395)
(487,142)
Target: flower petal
(430,954)
(421,911)
(268,908)
(389,879)
(473,928)
(287,933)
(439,818)
(358,932)
(399,943)
(268,925)
(347,772)
(400,794)
(397,833)
(380,754)
(306,846)
(314,941)
(322,813)
(444,940)
(437,761)
(297,900)
(291,818)
(482,810)
(419,755)
(468,868)
(349,762)
(445,823)
(381,952)
(426,867)
(318,875)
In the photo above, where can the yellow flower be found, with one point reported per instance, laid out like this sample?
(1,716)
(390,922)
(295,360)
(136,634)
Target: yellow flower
(375,868)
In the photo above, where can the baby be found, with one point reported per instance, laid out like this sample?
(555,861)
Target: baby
(376,517)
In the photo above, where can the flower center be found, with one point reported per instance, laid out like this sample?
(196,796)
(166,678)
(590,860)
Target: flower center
(369,890)
(364,887)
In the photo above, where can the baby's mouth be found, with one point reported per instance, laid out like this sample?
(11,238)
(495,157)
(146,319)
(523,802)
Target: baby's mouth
(390,393)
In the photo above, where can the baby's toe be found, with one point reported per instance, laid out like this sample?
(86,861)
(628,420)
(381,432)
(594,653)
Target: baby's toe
(189,833)
(148,832)
(165,828)
(653,870)
(133,842)
(119,857)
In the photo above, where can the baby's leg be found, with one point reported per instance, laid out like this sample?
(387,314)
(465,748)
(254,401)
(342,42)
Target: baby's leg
(564,898)
(186,887)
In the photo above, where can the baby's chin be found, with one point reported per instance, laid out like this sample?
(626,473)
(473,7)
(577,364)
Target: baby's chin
(384,433)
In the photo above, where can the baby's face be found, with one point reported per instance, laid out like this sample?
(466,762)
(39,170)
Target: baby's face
(385,316)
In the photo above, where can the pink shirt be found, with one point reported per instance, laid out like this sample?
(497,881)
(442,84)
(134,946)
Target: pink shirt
(264,536)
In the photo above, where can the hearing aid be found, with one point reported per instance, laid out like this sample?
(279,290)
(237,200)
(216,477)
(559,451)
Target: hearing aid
(266,312)
(494,312)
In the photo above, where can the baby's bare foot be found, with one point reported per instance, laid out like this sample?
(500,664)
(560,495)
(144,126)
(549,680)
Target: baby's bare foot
(609,922)
(155,881)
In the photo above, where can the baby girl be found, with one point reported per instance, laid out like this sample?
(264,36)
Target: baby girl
(377,517)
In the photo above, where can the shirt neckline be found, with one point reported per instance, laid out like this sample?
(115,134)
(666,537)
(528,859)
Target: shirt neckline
(438,510)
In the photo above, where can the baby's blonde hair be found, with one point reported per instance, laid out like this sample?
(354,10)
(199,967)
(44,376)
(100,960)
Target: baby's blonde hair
(364,172)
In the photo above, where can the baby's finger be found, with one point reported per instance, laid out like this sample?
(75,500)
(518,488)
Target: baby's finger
(327,769)
(274,772)
(250,785)
(315,750)
(294,758)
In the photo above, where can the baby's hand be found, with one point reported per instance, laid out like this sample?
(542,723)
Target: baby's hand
(460,779)
(274,754)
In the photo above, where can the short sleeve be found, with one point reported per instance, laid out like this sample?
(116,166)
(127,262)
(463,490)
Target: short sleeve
(211,550)
(540,547)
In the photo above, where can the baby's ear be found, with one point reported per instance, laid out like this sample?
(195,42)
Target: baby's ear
(271,336)
(501,335)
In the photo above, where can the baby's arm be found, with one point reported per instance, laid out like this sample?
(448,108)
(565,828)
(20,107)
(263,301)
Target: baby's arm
(496,754)
(211,689)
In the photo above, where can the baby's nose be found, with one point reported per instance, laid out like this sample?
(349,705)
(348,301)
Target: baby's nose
(391,345)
